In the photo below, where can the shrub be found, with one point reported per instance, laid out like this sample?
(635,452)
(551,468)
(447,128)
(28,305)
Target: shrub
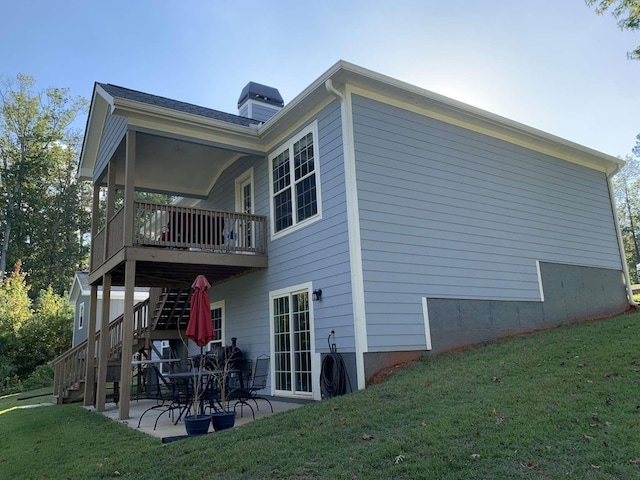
(11,384)
(41,377)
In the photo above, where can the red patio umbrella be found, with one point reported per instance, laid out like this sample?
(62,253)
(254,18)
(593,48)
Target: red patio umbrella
(200,328)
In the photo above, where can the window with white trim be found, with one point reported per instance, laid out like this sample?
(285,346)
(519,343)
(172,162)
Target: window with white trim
(295,185)
(81,316)
(217,318)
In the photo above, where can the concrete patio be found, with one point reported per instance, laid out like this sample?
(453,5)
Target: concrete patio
(167,430)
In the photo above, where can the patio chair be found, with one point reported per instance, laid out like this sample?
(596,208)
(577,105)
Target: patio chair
(257,381)
(154,391)
(179,398)
(182,400)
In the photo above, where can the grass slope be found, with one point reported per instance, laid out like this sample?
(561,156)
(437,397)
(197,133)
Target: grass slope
(560,404)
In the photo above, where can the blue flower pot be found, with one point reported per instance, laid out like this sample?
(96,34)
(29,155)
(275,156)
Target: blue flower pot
(197,426)
(223,420)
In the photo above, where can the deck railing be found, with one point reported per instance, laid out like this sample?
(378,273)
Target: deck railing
(194,229)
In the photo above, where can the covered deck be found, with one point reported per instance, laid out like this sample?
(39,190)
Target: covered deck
(171,245)
(132,145)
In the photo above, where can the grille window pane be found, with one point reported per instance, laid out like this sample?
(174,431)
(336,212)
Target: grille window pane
(303,156)
(281,173)
(295,186)
(283,216)
(306,198)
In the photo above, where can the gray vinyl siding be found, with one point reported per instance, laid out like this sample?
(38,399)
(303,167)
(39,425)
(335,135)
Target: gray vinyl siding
(115,128)
(262,113)
(317,253)
(244,111)
(449,213)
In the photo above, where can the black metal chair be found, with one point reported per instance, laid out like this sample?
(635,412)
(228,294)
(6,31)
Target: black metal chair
(179,397)
(257,381)
(154,391)
(181,400)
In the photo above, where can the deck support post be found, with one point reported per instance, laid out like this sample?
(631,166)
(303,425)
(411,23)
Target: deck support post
(127,340)
(103,356)
(129,278)
(111,206)
(90,362)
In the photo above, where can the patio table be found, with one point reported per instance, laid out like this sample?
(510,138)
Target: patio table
(143,384)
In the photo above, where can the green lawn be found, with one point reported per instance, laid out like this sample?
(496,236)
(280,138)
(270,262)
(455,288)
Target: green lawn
(560,404)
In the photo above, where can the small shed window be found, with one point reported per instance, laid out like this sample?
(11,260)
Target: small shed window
(81,316)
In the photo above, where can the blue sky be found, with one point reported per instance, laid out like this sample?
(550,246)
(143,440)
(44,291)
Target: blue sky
(551,64)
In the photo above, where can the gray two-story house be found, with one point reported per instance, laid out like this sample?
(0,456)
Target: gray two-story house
(366,212)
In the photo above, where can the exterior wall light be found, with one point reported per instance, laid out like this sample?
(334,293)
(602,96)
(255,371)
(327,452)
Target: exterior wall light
(317,295)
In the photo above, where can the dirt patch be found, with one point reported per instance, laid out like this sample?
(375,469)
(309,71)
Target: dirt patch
(388,372)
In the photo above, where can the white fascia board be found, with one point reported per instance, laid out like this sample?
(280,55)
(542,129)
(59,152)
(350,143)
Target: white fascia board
(100,104)
(186,124)
(491,124)
(390,90)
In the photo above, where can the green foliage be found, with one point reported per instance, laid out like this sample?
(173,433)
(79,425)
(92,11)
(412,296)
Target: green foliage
(43,213)
(15,304)
(626,12)
(11,384)
(47,334)
(30,338)
(41,377)
(626,185)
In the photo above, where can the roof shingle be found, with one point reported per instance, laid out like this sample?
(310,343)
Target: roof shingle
(147,98)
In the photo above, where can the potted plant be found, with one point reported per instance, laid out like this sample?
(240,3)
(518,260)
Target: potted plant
(224,417)
(198,423)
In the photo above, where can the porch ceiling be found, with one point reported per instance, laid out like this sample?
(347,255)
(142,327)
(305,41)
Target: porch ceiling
(174,166)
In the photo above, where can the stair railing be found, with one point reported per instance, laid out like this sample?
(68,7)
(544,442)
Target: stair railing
(70,368)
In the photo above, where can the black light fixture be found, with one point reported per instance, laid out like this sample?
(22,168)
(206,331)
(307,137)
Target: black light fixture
(317,295)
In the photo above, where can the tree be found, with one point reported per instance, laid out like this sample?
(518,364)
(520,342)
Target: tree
(42,218)
(626,186)
(626,12)
(15,311)
(46,334)
(15,304)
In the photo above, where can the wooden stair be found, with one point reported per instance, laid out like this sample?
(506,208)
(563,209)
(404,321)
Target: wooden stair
(171,309)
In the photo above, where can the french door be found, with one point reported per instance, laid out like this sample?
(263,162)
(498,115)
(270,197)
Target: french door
(244,204)
(292,343)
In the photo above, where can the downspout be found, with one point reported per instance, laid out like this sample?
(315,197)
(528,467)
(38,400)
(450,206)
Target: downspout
(353,222)
(625,268)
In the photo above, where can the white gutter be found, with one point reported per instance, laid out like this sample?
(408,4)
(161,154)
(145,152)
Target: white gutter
(353,228)
(625,268)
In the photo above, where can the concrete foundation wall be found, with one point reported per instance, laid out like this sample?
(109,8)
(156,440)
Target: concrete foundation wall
(571,293)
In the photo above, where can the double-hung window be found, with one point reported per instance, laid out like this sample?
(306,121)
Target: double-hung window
(295,182)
